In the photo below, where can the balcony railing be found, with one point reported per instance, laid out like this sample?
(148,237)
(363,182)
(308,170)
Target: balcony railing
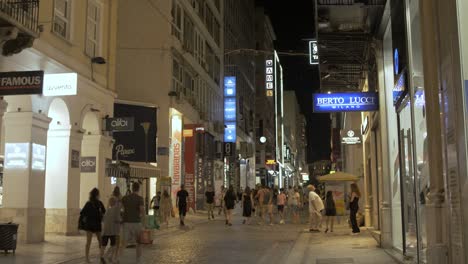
(23,14)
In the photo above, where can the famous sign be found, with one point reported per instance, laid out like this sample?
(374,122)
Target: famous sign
(346,102)
(25,82)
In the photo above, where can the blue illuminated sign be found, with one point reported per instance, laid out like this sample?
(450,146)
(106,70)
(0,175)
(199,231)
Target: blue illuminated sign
(230,105)
(230,132)
(230,109)
(400,88)
(346,102)
(230,86)
(396,61)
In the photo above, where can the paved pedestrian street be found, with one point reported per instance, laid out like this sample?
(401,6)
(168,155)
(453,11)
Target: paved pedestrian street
(203,241)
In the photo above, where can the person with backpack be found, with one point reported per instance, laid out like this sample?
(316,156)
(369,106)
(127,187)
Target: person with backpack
(90,221)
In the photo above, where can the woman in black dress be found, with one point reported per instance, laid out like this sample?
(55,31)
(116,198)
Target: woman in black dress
(354,207)
(330,211)
(229,201)
(90,220)
(247,204)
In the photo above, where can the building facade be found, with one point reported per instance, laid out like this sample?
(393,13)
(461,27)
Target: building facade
(45,134)
(239,62)
(177,66)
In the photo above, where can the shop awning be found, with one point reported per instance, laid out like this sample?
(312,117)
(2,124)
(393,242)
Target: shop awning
(338,176)
(131,169)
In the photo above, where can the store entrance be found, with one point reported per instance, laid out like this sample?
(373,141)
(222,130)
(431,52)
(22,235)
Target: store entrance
(407,180)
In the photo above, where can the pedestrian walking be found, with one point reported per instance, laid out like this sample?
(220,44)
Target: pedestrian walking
(293,204)
(118,203)
(262,204)
(229,201)
(330,211)
(281,201)
(181,203)
(90,221)
(247,205)
(156,203)
(133,212)
(315,208)
(221,201)
(354,207)
(111,230)
(166,208)
(268,199)
(210,195)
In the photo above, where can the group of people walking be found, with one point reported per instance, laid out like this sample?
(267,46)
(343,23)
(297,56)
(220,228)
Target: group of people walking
(264,201)
(117,225)
(121,222)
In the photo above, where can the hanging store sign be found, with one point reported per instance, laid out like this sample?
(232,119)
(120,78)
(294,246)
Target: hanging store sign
(230,109)
(60,84)
(137,144)
(229,86)
(351,137)
(17,83)
(270,162)
(120,124)
(229,149)
(346,102)
(269,77)
(175,154)
(88,164)
(313,52)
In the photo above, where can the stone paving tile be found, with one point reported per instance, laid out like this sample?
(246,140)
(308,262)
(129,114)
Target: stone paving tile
(212,242)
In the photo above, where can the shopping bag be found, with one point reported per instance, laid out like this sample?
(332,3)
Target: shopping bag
(146,237)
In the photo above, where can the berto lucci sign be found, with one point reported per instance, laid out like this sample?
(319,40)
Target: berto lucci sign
(346,102)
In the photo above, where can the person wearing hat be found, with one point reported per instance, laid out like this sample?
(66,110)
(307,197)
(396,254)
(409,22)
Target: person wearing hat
(315,208)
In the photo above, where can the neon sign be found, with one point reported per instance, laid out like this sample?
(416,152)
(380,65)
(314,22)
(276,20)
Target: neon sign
(346,102)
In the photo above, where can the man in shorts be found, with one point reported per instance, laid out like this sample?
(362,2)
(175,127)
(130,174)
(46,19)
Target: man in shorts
(210,195)
(134,211)
(181,203)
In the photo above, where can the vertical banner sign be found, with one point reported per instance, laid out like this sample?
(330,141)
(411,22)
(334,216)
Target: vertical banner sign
(313,52)
(200,183)
(230,109)
(189,157)
(209,177)
(175,165)
(269,77)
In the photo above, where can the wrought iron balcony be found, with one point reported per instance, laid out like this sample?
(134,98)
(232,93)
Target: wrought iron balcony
(18,24)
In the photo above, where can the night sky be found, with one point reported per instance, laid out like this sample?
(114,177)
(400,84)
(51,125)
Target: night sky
(293,25)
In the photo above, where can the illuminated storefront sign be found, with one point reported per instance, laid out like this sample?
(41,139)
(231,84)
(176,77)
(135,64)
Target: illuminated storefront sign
(175,160)
(230,132)
(269,77)
(21,82)
(229,86)
(399,90)
(120,124)
(351,137)
(88,164)
(313,52)
(346,102)
(230,109)
(60,84)
(271,162)
(16,155)
(38,157)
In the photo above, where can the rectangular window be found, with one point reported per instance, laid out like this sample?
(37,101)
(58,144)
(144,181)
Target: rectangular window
(93,26)
(189,33)
(177,14)
(177,76)
(62,18)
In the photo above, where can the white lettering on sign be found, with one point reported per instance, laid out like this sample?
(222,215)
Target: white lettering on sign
(119,122)
(88,163)
(340,100)
(121,151)
(20,81)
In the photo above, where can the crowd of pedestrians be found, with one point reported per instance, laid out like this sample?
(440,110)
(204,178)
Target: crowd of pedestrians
(121,223)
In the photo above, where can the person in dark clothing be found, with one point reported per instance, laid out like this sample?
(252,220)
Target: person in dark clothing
(247,205)
(330,211)
(354,207)
(90,220)
(209,195)
(230,201)
(181,203)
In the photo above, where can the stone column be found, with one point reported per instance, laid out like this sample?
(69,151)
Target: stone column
(385,183)
(435,212)
(23,201)
(62,182)
(100,147)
